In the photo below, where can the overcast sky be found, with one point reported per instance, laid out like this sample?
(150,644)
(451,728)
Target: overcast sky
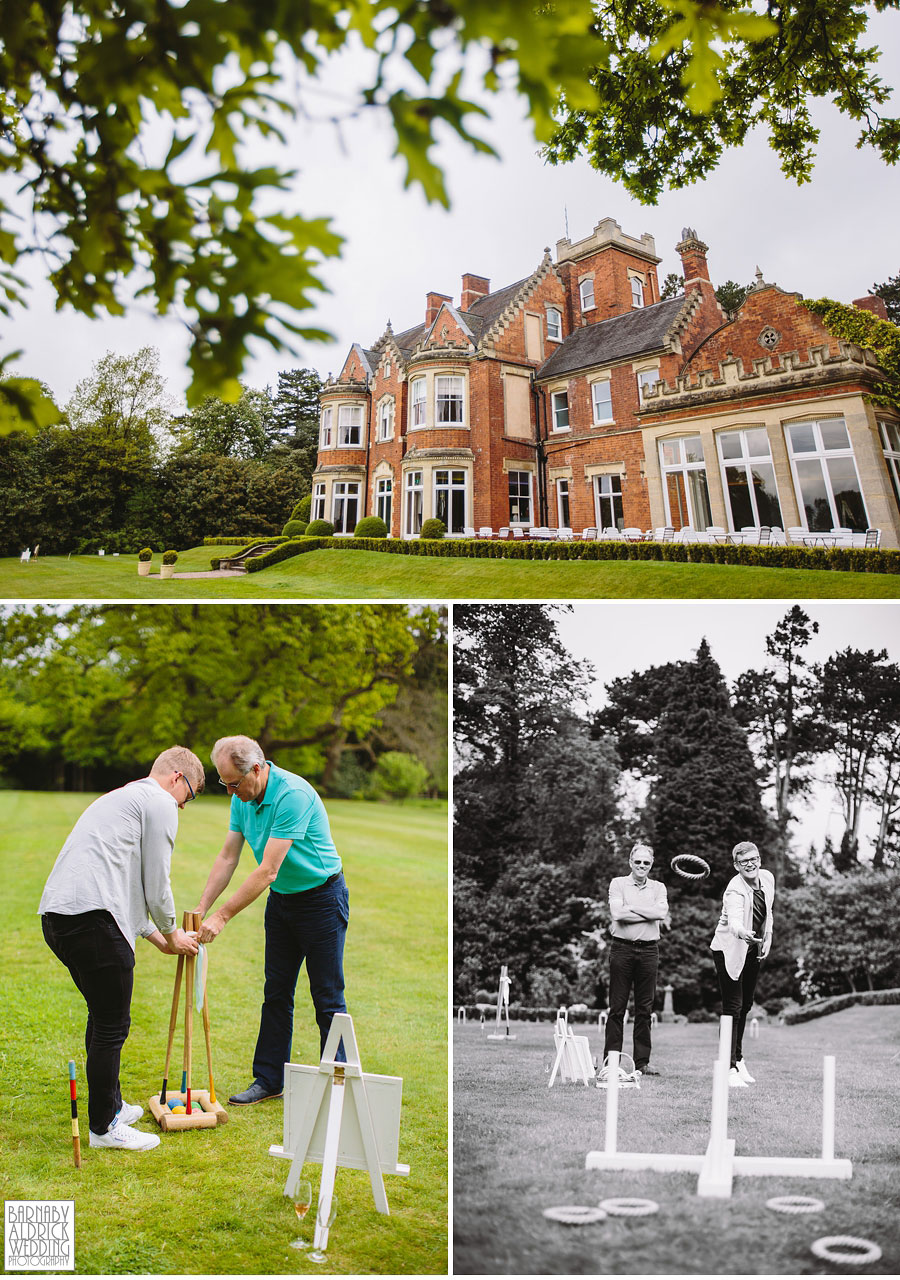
(835,236)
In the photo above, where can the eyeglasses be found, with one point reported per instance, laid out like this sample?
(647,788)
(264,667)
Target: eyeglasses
(748,862)
(636,863)
(189,787)
(234,785)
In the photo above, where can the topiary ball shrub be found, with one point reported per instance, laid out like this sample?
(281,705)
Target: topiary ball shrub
(320,529)
(145,553)
(433,528)
(371,527)
(294,529)
(169,557)
(303,509)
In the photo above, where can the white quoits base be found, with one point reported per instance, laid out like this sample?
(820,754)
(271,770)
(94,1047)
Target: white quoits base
(719,1165)
(502,1008)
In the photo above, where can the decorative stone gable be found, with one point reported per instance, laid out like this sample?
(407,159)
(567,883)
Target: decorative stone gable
(356,366)
(448,330)
(516,303)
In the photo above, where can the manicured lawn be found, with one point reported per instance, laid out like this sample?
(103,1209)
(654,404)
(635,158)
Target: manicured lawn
(520,1148)
(210,1201)
(348,575)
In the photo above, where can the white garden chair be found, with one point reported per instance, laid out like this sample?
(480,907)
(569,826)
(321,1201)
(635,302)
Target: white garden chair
(485,531)
(589,534)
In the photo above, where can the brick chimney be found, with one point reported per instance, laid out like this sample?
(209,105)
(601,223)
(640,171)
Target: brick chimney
(473,288)
(433,304)
(872,302)
(693,259)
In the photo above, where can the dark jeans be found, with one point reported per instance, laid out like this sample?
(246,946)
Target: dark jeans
(631,967)
(101,963)
(737,996)
(308,926)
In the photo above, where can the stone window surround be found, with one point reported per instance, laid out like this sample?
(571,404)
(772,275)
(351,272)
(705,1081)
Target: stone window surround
(588,277)
(592,381)
(431,423)
(428,466)
(552,306)
(637,275)
(745,460)
(336,406)
(821,453)
(386,400)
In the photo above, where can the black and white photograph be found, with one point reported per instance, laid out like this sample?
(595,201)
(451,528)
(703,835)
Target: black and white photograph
(676,1039)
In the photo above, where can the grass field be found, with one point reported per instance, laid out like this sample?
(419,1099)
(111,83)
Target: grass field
(520,1148)
(210,1201)
(350,575)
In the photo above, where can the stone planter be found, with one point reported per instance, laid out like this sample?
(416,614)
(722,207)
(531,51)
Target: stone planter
(166,570)
(144,567)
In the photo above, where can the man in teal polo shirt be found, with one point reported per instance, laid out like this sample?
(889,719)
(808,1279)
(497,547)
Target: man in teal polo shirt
(283,820)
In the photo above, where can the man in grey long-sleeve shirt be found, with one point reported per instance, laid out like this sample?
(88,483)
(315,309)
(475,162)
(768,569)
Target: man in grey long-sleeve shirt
(111,875)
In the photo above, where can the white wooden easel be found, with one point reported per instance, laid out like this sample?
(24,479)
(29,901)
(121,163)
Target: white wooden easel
(334,1114)
(573,1053)
(502,1007)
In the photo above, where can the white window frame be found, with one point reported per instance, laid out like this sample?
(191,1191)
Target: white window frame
(326,439)
(317,510)
(385,429)
(821,454)
(564,518)
(384,499)
(646,378)
(453,396)
(609,496)
(745,462)
(451,486)
(346,425)
(637,294)
(527,523)
(585,291)
(554,327)
(418,400)
(413,485)
(683,467)
(607,383)
(891,455)
(344,492)
(556,410)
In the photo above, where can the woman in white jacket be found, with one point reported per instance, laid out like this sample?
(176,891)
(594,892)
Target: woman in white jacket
(742,939)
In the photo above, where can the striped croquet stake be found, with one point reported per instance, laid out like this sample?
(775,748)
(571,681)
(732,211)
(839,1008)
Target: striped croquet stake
(76,1140)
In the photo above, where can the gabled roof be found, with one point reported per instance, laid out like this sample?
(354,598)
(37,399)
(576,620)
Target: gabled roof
(492,305)
(645,329)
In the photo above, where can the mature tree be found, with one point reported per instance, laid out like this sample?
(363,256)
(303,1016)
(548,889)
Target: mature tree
(124,399)
(672,285)
(889,291)
(836,921)
(678,83)
(778,706)
(860,711)
(241,428)
(296,412)
(730,295)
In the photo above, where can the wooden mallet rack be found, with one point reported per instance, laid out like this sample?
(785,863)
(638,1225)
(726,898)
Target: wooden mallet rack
(202,1111)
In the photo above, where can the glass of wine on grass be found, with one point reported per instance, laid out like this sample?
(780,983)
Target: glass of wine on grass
(318,1255)
(301,1200)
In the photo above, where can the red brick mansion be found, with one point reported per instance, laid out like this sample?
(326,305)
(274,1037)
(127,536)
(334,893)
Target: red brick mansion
(577,398)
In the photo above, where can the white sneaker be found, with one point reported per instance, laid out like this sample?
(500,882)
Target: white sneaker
(734,1081)
(744,1073)
(120,1137)
(130,1112)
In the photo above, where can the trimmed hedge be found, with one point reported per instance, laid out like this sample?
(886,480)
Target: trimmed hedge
(371,527)
(247,539)
(294,529)
(432,528)
(295,547)
(320,529)
(831,1004)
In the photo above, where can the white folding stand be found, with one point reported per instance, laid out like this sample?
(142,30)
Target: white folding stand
(502,1007)
(334,1114)
(573,1053)
(717,1167)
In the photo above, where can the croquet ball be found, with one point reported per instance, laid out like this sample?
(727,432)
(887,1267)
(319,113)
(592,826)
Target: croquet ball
(179,1110)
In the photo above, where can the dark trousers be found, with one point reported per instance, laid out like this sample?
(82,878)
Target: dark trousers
(737,996)
(101,963)
(631,967)
(308,926)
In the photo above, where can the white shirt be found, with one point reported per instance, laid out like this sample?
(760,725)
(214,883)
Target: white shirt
(117,859)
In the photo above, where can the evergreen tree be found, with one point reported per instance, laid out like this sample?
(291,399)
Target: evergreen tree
(889,291)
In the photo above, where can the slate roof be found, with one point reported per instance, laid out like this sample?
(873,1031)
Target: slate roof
(492,305)
(643,330)
(408,340)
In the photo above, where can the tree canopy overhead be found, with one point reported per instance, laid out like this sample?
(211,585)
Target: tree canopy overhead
(680,81)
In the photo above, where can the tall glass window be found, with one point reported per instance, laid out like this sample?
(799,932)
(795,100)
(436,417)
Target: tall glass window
(562,504)
(350,424)
(608,494)
(345,506)
(415,501)
(601,398)
(520,497)
(450,400)
(383,495)
(890,439)
(749,478)
(685,491)
(554,323)
(325,433)
(825,475)
(450,499)
(317,511)
(586,291)
(560,401)
(637,292)
(417,402)
(386,419)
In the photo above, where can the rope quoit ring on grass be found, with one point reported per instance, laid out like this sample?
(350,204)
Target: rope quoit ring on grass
(795,1204)
(697,868)
(834,1249)
(629,1207)
(574,1215)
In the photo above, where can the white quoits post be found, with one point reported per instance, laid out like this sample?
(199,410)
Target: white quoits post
(612,1101)
(828,1108)
(718,1169)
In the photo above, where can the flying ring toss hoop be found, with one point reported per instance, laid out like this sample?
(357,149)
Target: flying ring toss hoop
(692,860)
(574,1215)
(866,1250)
(629,1207)
(795,1204)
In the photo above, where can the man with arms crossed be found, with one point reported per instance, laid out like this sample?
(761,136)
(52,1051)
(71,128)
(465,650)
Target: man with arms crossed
(284,821)
(636,904)
(112,873)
